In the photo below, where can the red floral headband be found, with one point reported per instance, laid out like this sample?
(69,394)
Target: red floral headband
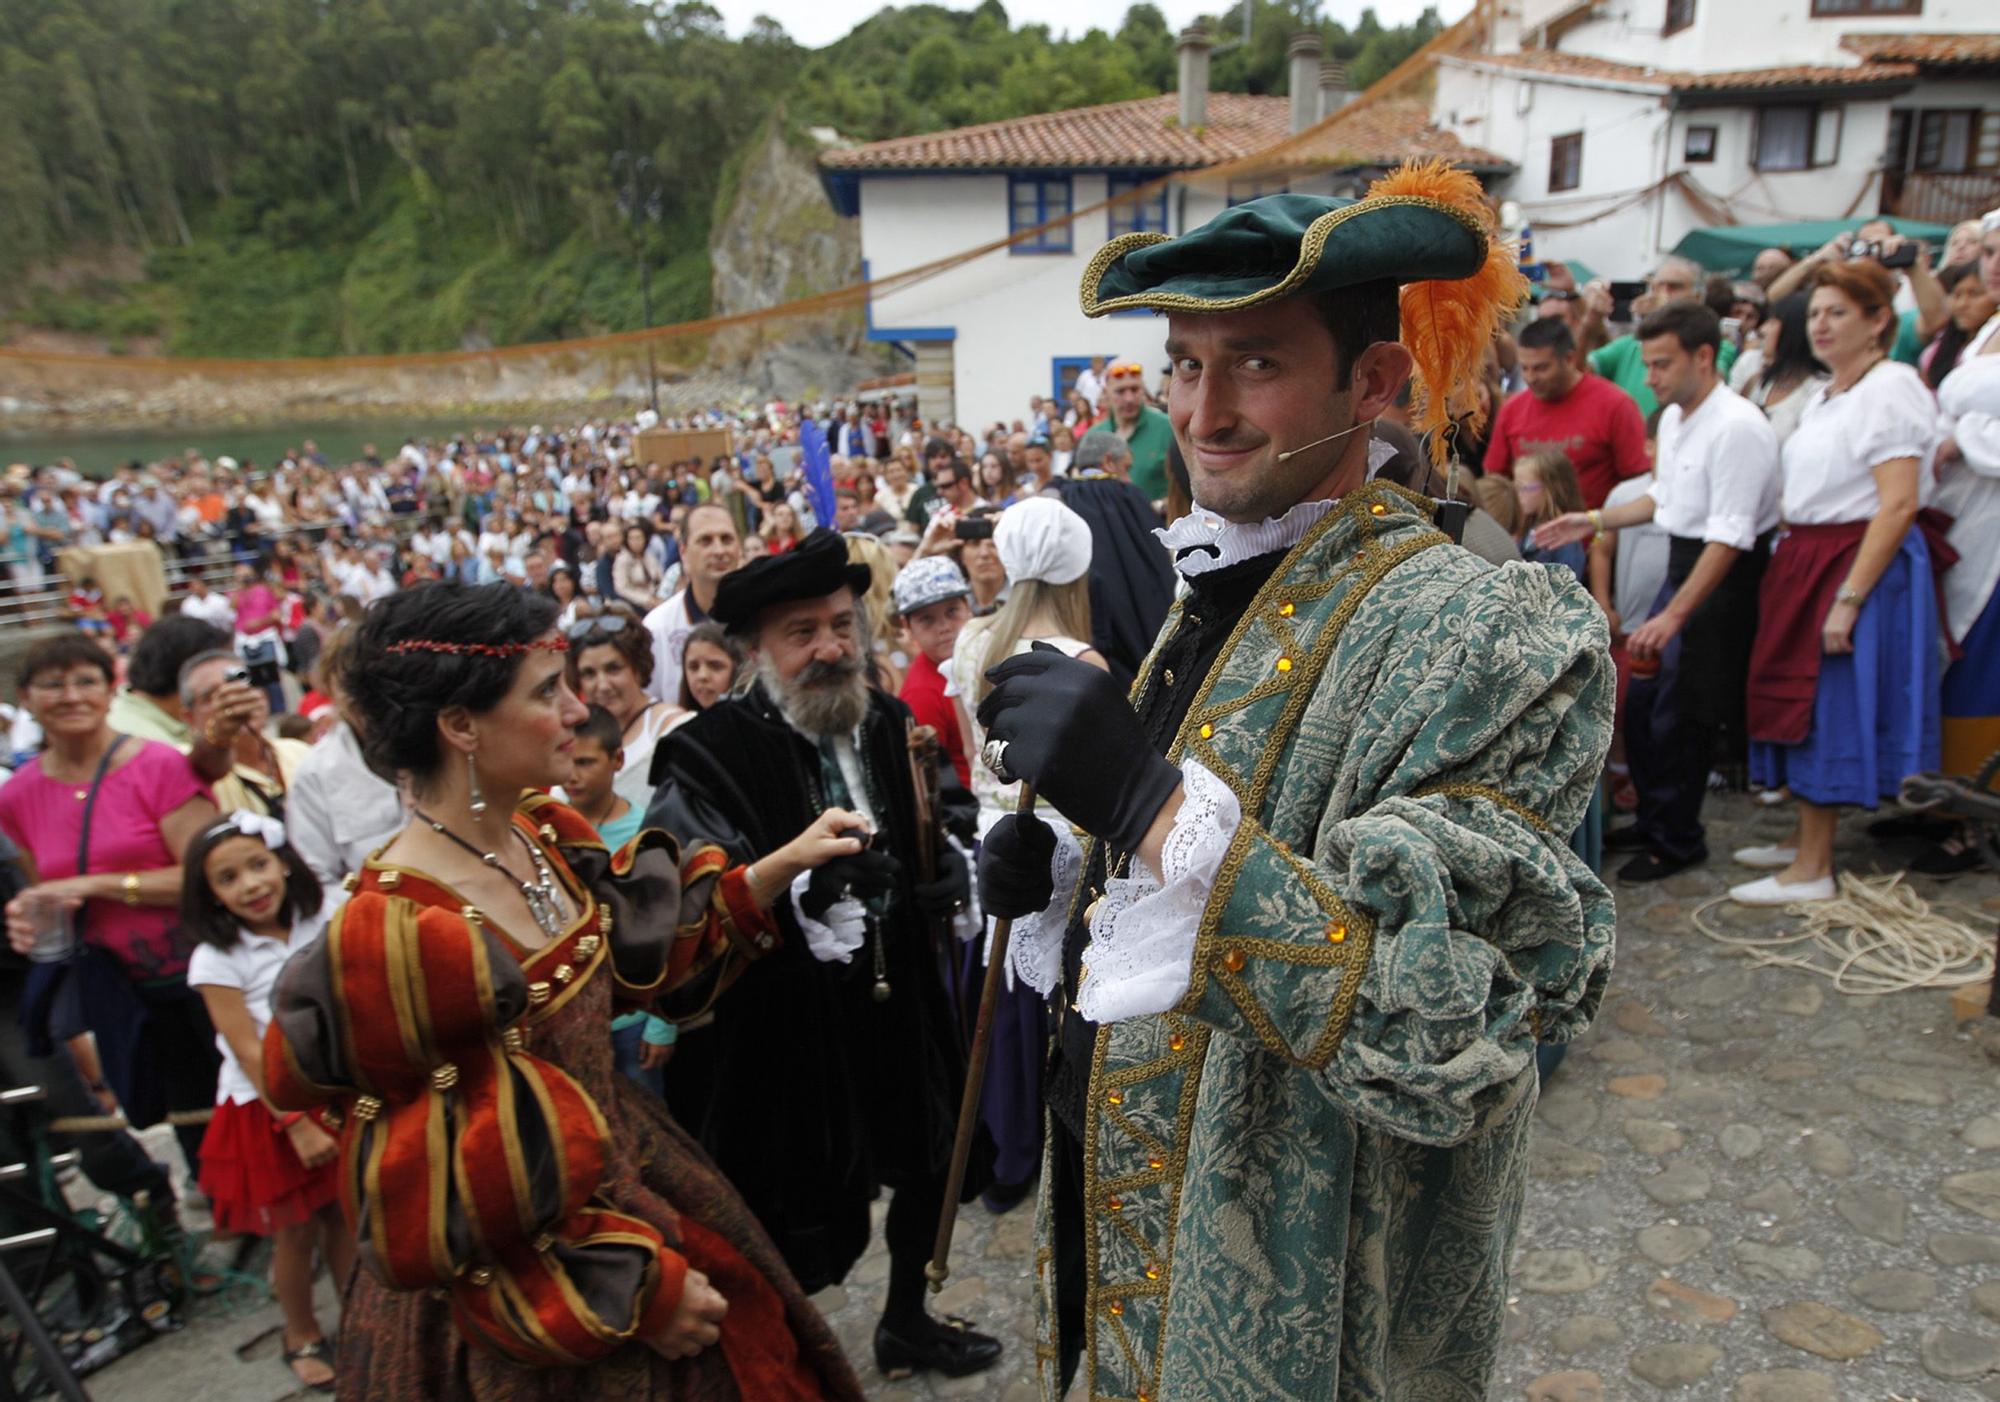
(556,644)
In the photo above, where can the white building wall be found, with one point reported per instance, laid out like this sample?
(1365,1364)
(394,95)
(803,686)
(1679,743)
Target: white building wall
(1632,140)
(1010,315)
(1731,34)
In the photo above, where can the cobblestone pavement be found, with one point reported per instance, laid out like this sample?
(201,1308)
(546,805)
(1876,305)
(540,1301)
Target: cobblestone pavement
(1746,1187)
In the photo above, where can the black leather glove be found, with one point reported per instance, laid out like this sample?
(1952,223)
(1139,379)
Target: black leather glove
(1072,734)
(943,897)
(1014,875)
(864,874)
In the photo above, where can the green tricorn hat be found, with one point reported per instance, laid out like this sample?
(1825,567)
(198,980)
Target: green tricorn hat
(1283,246)
(1424,226)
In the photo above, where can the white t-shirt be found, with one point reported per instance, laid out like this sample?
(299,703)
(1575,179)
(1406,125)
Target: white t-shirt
(1830,460)
(1718,471)
(252,965)
(1641,567)
(211,608)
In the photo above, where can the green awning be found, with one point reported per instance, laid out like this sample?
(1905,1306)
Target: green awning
(1733,247)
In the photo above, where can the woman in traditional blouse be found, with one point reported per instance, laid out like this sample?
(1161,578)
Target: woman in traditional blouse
(1843,698)
(531,1225)
(1968,474)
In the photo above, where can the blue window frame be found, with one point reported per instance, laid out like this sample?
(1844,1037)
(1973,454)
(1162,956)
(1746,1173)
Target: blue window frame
(1066,368)
(1146,216)
(1034,200)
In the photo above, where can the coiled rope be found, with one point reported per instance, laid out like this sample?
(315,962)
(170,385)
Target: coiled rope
(1876,936)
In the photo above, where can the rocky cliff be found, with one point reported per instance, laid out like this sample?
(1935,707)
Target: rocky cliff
(776,239)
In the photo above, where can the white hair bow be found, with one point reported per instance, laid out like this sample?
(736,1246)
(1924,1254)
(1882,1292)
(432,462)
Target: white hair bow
(270,830)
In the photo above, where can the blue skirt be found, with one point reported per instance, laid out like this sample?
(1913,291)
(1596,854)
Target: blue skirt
(1971,696)
(1875,711)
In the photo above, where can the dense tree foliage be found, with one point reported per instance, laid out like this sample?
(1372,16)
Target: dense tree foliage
(311,176)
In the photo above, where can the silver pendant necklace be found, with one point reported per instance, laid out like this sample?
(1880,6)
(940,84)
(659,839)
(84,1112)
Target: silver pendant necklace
(542,896)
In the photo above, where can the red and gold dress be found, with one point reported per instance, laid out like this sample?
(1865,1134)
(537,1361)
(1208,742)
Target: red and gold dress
(524,1213)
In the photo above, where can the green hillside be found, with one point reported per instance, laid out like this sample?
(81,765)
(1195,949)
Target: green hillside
(314,177)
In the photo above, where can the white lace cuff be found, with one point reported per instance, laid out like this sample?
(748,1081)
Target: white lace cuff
(1034,946)
(840,930)
(1141,949)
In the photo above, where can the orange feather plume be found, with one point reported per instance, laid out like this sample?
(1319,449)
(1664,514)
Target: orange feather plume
(1448,324)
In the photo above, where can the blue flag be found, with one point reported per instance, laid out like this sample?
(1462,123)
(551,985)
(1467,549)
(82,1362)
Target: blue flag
(817,460)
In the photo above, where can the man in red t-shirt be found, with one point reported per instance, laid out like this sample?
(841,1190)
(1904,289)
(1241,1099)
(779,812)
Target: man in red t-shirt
(1585,417)
(935,602)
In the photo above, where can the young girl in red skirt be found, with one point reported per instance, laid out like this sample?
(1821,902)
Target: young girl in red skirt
(251,901)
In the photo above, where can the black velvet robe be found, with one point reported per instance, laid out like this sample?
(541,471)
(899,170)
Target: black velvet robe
(811,1095)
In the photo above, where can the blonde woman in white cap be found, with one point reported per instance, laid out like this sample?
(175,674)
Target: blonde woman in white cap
(1045,548)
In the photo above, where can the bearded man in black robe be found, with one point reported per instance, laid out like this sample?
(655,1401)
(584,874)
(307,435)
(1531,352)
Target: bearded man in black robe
(834,1066)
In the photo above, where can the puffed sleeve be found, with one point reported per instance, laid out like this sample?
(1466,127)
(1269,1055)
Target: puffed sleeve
(467,1165)
(1441,928)
(682,924)
(1900,418)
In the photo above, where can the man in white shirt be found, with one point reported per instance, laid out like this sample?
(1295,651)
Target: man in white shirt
(710,549)
(1090,382)
(207,605)
(1716,496)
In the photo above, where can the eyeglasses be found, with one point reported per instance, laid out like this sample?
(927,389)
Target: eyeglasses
(82,684)
(1130,367)
(581,630)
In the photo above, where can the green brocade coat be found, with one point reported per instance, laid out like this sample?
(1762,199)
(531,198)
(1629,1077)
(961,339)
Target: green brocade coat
(1304,1181)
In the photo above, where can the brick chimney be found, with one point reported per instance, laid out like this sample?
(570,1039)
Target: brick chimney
(1334,93)
(1303,55)
(1193,49)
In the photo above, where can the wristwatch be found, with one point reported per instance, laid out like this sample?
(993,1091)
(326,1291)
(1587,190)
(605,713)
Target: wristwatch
(128,887)
(1848,594)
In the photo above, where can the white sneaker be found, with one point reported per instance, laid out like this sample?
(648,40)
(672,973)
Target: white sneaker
(1769,890)
(1771,798)
(1765,858)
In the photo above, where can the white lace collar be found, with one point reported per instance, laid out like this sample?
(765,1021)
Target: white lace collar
(1202,541)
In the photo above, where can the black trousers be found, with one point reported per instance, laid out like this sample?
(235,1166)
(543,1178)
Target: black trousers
(1676,719)
(1669,754)
(1071,1263)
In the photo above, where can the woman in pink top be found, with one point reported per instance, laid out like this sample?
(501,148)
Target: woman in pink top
(149,805)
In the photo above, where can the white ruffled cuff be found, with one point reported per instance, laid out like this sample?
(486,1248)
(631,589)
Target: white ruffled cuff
(1141,950)
(840,930)
(1035,942)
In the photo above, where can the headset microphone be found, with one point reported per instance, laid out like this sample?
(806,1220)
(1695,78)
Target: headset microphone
(1294,452)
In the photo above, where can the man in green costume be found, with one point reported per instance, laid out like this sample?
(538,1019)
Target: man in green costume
(1327,909)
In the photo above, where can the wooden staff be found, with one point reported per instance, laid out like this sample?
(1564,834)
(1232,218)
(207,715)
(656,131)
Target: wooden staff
(975,1082)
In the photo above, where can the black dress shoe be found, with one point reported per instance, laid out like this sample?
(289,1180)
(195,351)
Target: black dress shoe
(1625,839)
(950,1346)
(1651,866)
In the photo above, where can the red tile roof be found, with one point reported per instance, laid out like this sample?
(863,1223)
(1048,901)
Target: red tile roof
(1559,64)
(1382,133)
(1930,50)
(1143,134)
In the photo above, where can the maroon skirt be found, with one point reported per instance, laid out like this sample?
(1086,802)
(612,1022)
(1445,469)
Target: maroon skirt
(254,1178)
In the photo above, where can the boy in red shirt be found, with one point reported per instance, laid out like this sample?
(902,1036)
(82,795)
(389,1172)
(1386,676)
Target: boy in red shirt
(934,601)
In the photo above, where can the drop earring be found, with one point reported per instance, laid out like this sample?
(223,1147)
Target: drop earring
(477,799)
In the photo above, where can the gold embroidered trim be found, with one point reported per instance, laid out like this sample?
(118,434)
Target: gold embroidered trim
(1491,795)
(1311,248)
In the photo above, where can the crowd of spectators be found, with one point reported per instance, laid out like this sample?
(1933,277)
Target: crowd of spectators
(1782,491)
